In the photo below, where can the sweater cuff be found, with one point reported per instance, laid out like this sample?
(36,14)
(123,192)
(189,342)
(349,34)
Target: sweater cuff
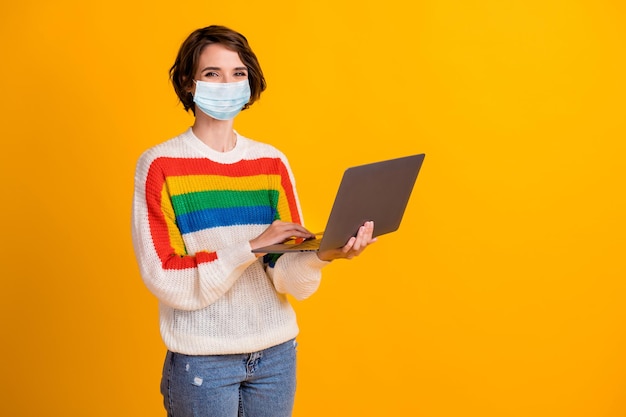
(311,259)
(303,261)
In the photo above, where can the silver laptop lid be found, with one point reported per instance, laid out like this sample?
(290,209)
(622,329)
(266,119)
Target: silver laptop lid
(378,191)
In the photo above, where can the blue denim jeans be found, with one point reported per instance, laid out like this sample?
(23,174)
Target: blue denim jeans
(259,384)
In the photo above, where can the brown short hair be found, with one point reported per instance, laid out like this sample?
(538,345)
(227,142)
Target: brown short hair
(183,71)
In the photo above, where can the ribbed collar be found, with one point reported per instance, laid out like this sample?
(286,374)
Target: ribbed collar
(234,155)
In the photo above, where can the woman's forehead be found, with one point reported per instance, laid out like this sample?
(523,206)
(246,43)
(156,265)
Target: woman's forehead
(217,55)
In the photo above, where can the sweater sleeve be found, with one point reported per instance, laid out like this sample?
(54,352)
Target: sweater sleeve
(178,279)
(298,274)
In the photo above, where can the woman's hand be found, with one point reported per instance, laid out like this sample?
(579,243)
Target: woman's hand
(354,247)
(278,232)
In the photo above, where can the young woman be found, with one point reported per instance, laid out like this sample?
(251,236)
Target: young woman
(203,200)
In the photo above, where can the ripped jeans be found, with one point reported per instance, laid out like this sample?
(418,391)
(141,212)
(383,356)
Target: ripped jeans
(259,384)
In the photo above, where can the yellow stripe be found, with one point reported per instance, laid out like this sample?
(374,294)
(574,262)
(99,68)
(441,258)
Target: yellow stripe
(285,215)
(176,239)
(195,183)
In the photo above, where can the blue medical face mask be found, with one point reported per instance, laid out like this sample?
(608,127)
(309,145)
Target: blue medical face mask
(222,101)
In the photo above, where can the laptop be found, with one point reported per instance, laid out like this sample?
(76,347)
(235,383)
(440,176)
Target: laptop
(377,191)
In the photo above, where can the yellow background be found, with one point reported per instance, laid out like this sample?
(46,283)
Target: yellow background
(502,294)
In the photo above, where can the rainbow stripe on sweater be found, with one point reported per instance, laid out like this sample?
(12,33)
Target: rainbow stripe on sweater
(188,195)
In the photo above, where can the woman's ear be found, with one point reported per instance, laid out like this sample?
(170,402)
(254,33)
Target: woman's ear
(189,86)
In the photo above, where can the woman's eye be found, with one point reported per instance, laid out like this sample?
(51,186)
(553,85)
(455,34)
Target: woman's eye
(241,74)
(211,74)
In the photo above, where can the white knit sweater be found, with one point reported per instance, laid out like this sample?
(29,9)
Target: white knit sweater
(194,212)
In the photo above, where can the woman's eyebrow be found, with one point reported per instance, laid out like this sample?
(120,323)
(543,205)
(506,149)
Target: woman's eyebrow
(218,69)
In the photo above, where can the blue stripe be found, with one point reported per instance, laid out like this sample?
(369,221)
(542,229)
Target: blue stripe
(219,217)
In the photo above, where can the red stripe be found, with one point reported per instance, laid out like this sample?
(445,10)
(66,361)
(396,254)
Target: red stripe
(204,166)
(158,227)
(186,261)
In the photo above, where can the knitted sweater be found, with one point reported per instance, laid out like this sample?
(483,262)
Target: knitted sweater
(194,212)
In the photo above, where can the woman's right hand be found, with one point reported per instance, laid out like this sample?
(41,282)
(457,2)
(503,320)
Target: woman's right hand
(278,232)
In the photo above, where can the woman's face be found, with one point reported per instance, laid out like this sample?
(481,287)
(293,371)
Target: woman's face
(220,65)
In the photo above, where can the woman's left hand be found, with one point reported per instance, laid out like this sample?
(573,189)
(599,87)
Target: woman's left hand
(355,246)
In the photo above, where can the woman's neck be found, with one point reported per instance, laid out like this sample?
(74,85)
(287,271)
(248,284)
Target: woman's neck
(217,134)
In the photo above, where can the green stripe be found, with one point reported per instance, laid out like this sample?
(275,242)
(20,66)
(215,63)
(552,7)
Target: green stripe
(190,202)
